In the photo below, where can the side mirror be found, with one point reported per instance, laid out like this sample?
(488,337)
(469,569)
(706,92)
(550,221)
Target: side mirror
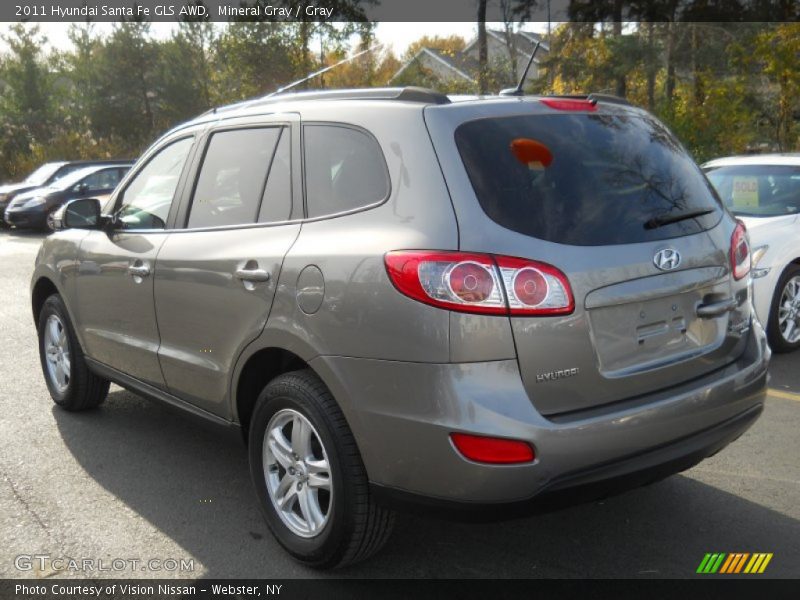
(83,213)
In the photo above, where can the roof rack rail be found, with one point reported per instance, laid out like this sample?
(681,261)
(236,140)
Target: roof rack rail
(407,94)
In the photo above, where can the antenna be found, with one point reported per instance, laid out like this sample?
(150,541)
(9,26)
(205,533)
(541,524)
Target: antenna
(517,91)
(321,71)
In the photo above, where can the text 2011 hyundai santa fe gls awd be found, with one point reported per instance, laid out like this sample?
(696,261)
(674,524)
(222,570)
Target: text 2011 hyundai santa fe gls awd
(479,303)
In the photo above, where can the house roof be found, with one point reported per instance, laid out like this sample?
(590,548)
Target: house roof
(459,63)
(462,63)
(523,41)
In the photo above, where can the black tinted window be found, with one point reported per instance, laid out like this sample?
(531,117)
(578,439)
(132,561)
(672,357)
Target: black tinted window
(585,179)
(149,195)
(276,203)
(345,170)
(758,190)
(107,179)
(232,177)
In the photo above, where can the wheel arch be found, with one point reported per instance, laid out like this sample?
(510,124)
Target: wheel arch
(259,368)
(42,289)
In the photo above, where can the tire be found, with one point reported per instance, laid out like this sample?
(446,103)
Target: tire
(80,389)
(788,286)
(352,526)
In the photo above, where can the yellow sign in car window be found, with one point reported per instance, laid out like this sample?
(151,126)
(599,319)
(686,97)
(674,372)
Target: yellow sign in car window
(745,192)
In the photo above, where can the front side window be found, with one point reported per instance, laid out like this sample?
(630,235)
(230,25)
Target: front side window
(233,177)
(758,190)
(148,197)
(345,170)
(101,180)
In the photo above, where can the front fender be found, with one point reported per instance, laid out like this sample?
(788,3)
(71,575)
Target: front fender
(57,262)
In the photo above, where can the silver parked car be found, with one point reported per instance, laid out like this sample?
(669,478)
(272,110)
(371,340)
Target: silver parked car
(473,305)
(763,191)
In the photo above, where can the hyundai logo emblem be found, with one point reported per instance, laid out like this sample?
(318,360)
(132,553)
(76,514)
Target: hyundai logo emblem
(667,259)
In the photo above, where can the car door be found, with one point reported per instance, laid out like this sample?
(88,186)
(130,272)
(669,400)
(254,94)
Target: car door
(115,267)
(215,279)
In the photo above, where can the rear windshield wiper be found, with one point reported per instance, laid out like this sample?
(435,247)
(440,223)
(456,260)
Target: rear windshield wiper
(668,219)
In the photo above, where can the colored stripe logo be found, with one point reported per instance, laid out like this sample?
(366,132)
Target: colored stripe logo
(735,562)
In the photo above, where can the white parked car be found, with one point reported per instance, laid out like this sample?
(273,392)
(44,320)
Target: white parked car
(764,192)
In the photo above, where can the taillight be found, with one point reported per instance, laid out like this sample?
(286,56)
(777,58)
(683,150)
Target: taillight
(569,104)
(480,283)
(452,280)
(535,288)
(497,451)
(740,251)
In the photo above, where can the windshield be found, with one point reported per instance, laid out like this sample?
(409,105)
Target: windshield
(758,190)
(43,173)
(586,179)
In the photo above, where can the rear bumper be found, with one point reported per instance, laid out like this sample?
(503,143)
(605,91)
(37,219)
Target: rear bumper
(402,414)
(590,484)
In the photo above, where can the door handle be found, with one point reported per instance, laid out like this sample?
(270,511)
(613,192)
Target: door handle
(716,309)
(255,275)
(140,270)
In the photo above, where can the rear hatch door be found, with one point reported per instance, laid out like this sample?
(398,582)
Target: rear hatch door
(616,204)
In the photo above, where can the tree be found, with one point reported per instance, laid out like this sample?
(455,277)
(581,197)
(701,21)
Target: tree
(253,59)
(185,72)
(777,51)
(28,84)
(127,68)
(451,44)
(27,102)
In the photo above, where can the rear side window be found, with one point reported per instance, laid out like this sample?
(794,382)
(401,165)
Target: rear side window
(345,170)
(586,179)
(233,177)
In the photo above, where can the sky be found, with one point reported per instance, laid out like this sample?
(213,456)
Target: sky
(397,35)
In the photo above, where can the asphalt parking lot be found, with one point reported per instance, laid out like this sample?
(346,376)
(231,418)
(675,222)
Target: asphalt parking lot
(135,481)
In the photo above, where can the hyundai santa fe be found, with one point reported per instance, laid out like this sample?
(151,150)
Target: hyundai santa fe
(475,305)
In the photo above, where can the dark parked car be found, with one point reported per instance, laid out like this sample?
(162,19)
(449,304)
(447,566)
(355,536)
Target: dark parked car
(32,209)
(45,175)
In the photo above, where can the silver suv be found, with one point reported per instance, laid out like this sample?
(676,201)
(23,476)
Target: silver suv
(403,299)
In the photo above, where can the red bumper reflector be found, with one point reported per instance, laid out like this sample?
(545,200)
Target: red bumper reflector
(497,451)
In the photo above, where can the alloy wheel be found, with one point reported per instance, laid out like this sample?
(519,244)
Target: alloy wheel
(789,311)
(298,473)
(56,347)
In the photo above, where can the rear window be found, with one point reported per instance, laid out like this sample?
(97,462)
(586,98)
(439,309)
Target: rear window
(586,179)
(758,190)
